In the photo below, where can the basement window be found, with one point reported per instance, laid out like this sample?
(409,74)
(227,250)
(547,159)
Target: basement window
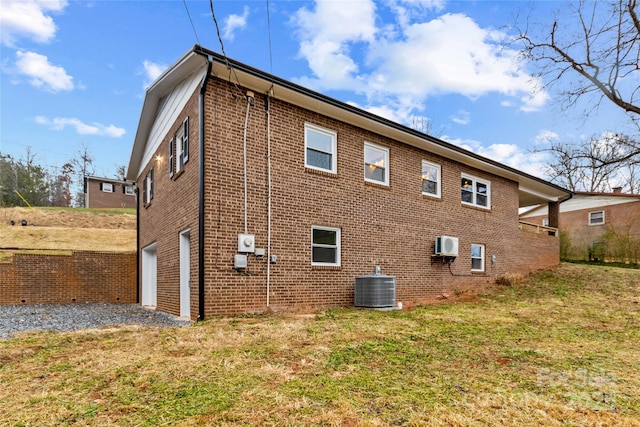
(325,246)
(320,148)
(596,218)
(477,257)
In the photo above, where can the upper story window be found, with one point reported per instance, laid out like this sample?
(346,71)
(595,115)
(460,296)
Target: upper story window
(147,187)
(431,178)
(325,246)
(545,222)
(107,187)
(179,149)
(320,148)
(477,257)
(182,145)
(596,218)
(376,163)
(475,191)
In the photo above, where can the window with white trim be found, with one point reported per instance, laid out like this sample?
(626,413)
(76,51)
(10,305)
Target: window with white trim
(376,163)
(179,149)
(475,191)
(596,218)
(172,162)
(182,145)
(147,187)
(107,187)
(431,178)
(545,222)
(477,257)
(129,190)
(320,148)
(325,246)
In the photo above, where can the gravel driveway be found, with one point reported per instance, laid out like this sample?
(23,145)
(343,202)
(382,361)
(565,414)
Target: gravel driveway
(71,317)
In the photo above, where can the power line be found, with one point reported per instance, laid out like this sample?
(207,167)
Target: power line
(226,59)
(191,20)
(215,21)
(269,36)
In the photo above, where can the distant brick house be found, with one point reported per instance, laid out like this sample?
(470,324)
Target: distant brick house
(596,226)
(258,194)
(109,193)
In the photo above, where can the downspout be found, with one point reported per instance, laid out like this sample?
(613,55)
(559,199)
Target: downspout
(268,107)
(203,89)
(137,192)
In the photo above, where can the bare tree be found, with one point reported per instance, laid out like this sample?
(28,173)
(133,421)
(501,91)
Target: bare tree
(82,164)
(425,125)
(591,50)
(593,165)
(597,41)
(121,172)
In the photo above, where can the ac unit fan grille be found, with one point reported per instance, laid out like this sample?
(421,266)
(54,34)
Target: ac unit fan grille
(376,291)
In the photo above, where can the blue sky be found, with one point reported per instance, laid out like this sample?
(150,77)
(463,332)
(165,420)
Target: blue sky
(74,73)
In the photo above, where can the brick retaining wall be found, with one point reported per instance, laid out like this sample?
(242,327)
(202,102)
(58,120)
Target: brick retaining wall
(80,276)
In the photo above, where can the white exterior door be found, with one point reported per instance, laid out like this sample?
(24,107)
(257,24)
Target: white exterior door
(149,276)
(185,274)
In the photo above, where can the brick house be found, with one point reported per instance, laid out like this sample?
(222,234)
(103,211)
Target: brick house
(596,225)
(258,194)
(108,193)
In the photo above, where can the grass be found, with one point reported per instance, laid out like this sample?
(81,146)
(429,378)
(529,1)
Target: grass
(111,230)
(558,349)
(104,211)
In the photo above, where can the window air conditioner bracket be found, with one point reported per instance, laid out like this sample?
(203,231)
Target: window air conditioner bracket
(442,259)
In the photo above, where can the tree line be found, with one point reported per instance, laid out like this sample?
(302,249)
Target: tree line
(25,182)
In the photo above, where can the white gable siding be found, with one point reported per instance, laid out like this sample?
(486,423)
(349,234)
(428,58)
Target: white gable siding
(168,110)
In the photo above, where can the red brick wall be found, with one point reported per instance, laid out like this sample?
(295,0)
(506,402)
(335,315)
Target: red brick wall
(174,209)
(622,219)
(393,227)
(107,277)
(99,199)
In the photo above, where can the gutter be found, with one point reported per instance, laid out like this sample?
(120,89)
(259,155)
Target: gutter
(347,108)
(203,89)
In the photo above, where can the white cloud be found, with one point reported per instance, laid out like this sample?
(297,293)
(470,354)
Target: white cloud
(28,19)
(327,34)
(450,54)
(235,22)
(507,154)
(59,123)
(462,117)
(152,71)
(546,136)
(43,74)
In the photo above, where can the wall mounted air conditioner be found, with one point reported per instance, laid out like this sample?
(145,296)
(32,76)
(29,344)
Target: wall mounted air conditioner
(446,246)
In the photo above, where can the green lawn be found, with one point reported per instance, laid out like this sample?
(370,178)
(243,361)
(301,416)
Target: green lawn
(560,349)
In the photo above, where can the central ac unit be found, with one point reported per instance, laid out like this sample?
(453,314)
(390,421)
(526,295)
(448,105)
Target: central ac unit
(446,246)
(376,291)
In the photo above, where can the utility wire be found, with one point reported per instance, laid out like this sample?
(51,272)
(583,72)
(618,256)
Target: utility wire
(191,20)
(226,59)
(269,36)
